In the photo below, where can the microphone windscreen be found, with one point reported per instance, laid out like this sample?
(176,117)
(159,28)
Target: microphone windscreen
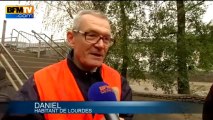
(101,91)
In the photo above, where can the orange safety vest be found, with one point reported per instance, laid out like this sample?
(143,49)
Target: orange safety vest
(57,83)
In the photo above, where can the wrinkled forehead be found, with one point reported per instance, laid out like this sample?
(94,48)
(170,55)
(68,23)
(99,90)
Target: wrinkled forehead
(94,23)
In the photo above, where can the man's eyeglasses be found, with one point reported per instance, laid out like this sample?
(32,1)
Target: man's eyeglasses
(93,37)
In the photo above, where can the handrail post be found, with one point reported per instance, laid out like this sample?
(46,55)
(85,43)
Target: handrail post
(39,49)
(11,40)
(51,40)
(51,43)
(17,40)
(3,32)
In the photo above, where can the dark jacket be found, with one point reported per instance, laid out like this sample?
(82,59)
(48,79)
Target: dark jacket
(84,79)
(208,106)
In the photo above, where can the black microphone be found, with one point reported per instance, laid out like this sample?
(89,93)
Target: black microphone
(101,91)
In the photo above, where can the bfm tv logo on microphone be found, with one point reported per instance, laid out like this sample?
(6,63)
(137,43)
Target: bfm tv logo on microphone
(19,11)
(105,89)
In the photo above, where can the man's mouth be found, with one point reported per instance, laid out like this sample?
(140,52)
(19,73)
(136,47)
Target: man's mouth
(97,54)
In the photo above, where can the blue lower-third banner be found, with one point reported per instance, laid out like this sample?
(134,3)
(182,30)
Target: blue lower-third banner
(135,107)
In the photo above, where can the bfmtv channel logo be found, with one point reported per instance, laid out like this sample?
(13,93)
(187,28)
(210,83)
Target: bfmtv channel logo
(19,11)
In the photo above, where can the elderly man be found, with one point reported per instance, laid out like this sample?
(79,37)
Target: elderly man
(70,79)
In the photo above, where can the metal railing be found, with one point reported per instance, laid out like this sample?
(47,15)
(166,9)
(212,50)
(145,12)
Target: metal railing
(64,41)
(54,43)
(10,78)
(33,42)
(38,36)
(21,40)
(3,58)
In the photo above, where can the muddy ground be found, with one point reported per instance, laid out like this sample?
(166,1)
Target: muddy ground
(197,88)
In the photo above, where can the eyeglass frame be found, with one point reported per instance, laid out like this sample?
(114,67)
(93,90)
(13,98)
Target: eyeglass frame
(111,42)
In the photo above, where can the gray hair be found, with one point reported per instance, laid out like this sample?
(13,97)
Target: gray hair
(76,20)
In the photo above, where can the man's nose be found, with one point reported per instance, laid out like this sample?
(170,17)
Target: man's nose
(100,43)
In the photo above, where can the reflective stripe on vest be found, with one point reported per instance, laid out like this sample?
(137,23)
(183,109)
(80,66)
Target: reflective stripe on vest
(57,83)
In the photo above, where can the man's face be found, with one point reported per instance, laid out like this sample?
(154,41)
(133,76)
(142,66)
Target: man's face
(88,55)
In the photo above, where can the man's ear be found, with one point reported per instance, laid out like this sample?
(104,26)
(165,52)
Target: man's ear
(70,39)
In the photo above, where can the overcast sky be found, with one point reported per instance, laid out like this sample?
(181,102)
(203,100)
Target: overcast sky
(36,23)
(19,24)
